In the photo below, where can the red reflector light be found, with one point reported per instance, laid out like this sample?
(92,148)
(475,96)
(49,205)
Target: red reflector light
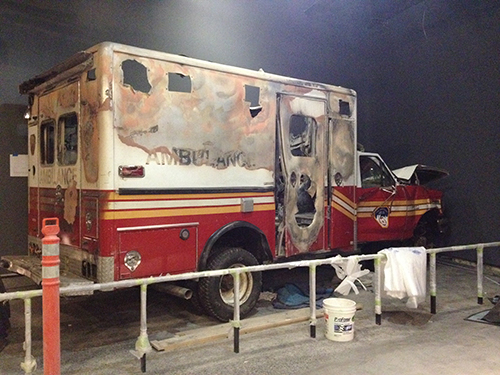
(131,171)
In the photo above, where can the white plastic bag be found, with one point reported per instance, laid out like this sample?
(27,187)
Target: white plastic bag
(405,274)
(349,270)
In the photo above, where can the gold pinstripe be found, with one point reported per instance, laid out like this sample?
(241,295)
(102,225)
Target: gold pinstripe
(169,212)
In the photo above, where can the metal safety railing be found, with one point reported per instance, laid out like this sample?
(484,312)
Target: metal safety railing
(143,346)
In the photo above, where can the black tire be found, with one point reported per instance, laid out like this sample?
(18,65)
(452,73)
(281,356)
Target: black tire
(217,294)
(423,235)
(194,301)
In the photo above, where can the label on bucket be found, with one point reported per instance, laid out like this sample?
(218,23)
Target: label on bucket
(340,324)
(341,328)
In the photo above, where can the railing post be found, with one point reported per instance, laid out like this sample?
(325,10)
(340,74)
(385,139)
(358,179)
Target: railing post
(29,364)
(480,274)
(142,345)
(377,281)
(236,316)
(432,281)
(312,299)
(50,297)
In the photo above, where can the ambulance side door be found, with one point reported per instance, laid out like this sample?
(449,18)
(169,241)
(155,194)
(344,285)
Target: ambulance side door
(302,165)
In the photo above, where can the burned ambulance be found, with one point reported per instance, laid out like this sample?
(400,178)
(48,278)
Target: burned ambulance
(156,163)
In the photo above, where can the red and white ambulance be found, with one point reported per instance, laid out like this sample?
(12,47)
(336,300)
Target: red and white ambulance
(156,163)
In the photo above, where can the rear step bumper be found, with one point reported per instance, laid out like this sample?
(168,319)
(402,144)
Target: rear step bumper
(31,267)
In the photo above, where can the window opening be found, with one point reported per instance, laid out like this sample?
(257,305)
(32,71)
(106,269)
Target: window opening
(47,142)
(302,134)
(306,198)
(178,82)
(32,144)
(91,75)
(136,75)
(374,173)
(252,95)
(344,108)
(67,134)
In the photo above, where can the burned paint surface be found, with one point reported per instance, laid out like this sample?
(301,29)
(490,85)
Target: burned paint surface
(342,143)
(210,125)
(58,183)
(94,104)
(303,171)
(89,136)
(342,152)
(70,202)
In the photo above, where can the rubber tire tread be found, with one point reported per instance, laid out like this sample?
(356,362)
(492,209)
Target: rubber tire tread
(209,286)
(195,302)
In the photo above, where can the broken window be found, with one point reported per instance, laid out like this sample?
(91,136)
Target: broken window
(67,134)
(47,142)
(306,198)
(178,82)
(344,108)
(374,173)
(136,75)
(302,134)
(91,75)
(252,95)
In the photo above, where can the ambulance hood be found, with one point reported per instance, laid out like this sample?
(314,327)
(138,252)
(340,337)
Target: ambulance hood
(419,174)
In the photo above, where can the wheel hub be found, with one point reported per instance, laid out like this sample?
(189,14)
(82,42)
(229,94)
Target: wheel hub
(226,286)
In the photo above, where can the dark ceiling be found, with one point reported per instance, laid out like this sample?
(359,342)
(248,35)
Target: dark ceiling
(427,72)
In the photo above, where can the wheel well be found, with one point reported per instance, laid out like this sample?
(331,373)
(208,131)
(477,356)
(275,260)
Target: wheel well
(428,220)
(237,234)
(435,225)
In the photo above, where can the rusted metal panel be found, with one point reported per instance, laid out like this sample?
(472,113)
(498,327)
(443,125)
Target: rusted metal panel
(209,125)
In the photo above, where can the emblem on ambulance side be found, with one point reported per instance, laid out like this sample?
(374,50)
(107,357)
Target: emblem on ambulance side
(381,214)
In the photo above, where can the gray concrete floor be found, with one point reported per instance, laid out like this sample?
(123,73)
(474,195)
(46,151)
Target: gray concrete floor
(98,332)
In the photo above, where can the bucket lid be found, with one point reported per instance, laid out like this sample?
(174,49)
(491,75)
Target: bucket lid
(338,302)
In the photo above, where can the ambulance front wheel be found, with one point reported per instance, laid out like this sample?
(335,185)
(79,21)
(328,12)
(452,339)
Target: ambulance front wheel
(217,293)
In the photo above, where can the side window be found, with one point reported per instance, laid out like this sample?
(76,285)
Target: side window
(178,82)
(47,142)
(302,135)
(252,95)
(67,135)
(136,76)
(374,173)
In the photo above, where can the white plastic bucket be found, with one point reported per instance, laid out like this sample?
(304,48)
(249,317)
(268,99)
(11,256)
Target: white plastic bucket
(339,317)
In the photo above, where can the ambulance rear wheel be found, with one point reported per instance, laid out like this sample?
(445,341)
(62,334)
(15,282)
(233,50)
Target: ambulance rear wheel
(217,293)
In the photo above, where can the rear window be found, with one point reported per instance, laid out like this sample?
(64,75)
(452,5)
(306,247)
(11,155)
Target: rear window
(47,142)
(67,134)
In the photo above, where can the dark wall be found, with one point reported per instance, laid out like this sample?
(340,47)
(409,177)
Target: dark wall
(437,101)
(426,72)
(13,190)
